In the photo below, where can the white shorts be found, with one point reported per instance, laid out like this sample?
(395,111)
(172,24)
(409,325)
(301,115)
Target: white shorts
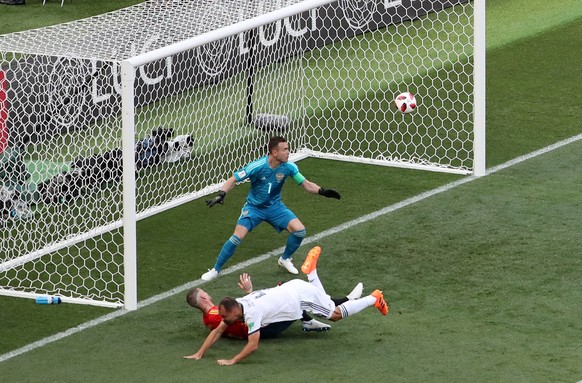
(312,298)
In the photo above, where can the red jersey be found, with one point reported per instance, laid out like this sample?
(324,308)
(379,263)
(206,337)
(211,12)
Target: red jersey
(236,330)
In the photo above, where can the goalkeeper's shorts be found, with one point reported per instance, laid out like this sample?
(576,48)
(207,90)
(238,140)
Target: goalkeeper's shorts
(277,215)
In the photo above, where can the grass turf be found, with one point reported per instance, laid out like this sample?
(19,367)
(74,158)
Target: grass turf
(481,280)
(479,306)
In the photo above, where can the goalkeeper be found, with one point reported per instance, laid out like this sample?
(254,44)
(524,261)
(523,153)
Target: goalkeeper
(263,203)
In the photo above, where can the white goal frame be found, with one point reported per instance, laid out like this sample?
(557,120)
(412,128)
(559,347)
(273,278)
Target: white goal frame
(128,70)
(128,108)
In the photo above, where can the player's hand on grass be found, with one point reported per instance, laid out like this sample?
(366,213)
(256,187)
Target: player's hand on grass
(329,193)
(225,362)
(218,199)
(196,356)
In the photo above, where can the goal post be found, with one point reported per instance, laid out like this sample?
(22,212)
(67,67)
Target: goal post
(479,78)
(129,185)
(107,130)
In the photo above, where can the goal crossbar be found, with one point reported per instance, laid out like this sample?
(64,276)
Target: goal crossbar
(224,32)
(323,73)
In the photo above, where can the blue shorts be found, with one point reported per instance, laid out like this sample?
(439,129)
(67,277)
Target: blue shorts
(277,215)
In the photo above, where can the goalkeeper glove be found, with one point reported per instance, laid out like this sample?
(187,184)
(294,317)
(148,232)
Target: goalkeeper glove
(218,199)
(329,193)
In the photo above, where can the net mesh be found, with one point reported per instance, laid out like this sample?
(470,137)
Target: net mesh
(325,79)
(141,28)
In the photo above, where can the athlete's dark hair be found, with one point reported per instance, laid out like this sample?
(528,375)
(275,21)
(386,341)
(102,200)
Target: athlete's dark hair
(274,141)
(228,303)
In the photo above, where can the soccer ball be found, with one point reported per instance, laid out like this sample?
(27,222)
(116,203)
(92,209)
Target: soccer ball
(405,102)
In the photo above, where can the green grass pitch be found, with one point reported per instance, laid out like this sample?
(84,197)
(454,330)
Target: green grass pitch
(482,280)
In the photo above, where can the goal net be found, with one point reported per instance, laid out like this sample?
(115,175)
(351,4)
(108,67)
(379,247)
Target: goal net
(110,119)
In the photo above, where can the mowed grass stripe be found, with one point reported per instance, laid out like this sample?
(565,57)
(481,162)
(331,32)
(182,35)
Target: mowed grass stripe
(308,240)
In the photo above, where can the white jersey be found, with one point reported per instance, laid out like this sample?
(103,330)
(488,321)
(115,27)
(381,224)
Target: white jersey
(284,303)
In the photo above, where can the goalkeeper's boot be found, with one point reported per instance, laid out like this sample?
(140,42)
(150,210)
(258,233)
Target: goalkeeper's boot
(288,265)
(310,263)
(210,275)
(380,303)
(356,292)
(314,325)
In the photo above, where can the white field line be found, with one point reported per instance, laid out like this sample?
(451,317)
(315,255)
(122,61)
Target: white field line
(313,238)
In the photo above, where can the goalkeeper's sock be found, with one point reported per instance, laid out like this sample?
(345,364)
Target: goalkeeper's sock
(353,307)
(227,251)
(293,243)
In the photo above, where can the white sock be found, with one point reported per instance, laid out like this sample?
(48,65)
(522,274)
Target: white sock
(353,307)
(313,278)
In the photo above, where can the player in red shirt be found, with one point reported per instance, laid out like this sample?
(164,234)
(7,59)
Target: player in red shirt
(212,319)
(201,300)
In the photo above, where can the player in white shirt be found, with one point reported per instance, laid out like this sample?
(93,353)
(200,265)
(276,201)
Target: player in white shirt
(284,303)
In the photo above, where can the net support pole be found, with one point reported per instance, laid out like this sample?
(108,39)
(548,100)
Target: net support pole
(129,208)
(479,68)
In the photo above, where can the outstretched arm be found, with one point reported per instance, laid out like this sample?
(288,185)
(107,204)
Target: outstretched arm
(312,187)
(251,346)
(229,184)
(209,341)
(226,187)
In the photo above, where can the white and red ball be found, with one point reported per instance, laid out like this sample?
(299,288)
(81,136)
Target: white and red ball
(405,102)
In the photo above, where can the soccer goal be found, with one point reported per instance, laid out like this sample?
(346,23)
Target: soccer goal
(111,119)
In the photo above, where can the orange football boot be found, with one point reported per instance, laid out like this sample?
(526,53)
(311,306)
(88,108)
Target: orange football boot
(311,260)
(380,304)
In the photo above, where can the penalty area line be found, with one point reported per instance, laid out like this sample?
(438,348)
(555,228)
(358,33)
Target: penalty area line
(310,239)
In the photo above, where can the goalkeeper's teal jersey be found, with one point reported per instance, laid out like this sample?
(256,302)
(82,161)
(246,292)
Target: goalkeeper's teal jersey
(266,183)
